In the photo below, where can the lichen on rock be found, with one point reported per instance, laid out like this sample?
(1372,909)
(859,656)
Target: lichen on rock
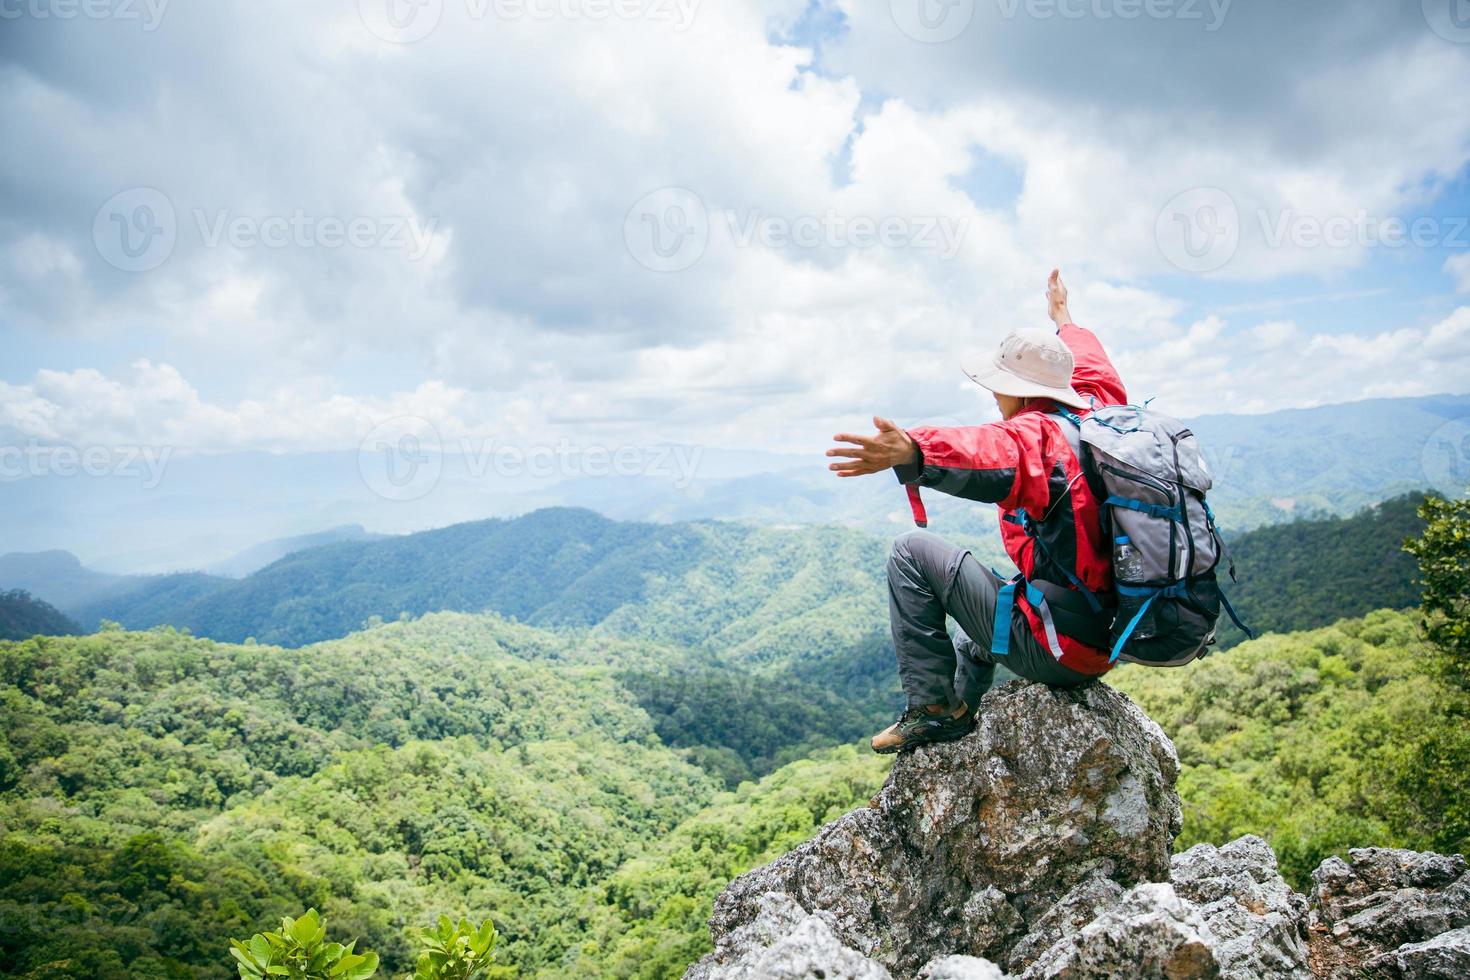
(1042,842)
(972,841)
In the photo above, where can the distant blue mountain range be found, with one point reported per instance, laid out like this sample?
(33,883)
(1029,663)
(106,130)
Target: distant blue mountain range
(211,513)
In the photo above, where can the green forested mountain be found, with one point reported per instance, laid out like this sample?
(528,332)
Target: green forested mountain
(1277,466)
(1318,741)
(160,792)
(22,615)
(802,599)
(1310,573)
(60,579)
(1328,460)
(558,567)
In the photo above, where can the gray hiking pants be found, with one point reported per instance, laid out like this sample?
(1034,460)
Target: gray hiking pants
(928,578)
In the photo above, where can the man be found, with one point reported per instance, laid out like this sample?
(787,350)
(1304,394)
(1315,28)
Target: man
(1052,626)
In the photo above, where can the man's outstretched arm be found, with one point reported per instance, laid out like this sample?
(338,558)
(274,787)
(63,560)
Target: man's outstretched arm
(1056,300)
(887,448)
(1093,374)
(978,462)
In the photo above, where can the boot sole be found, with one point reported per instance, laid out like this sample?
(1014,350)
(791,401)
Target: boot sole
(911,745)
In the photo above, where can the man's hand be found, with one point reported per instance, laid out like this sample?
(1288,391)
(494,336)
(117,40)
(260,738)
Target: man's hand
(1056,299)
(889,447)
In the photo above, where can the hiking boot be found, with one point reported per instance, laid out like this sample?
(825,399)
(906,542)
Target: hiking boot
(920,726)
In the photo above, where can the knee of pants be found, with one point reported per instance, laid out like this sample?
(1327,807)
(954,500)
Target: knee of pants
(904,546)
(909,542)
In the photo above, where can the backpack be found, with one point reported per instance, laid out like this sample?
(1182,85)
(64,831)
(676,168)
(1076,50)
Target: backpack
(1153,480)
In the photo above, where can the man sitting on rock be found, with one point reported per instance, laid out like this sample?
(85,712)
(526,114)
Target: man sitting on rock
(1029,463)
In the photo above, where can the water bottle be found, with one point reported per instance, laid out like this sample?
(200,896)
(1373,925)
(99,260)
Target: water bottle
(1128,570)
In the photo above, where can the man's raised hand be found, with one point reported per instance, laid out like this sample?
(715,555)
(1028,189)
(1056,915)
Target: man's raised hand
(890,446)
(1056,299)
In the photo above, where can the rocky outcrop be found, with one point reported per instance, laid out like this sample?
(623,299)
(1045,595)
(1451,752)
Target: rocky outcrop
(970,842)
(1367,910)
(1040,847)
(1150,932)
(1258,924)
(785,942)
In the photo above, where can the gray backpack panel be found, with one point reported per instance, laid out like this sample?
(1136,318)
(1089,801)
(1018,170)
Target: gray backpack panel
(1155,477)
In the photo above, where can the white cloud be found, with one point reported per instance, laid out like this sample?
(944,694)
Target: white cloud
(1457,267)
(782,383)
(518,149)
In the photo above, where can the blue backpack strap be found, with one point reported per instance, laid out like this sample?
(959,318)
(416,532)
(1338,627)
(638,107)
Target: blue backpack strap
(1005,605)
(1000,630)
(1224,550)
(1038,601)
(1132,623)
(1152,592)
(1072,417)
(1235,618)
(1023,519)
(1152,510)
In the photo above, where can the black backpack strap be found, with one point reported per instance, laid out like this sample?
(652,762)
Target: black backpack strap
(1073,434)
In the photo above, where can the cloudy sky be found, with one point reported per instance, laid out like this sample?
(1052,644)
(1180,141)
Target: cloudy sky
(275,225)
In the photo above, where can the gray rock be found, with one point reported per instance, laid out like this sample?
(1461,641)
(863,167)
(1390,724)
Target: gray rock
(971,842)
(1380,900)
(1042,842)
(1074,910)
(1150,934)
(961,968)
(783,942)
(1445,957)
(1259,924)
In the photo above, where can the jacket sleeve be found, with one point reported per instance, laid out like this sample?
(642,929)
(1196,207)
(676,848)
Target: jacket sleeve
(989,463)
(1093,374)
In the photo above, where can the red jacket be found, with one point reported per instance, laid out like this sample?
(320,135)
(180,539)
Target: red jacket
(1027,462)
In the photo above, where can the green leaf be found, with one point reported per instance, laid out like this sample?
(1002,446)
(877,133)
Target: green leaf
(484,939)
(366,970)
(307,930)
